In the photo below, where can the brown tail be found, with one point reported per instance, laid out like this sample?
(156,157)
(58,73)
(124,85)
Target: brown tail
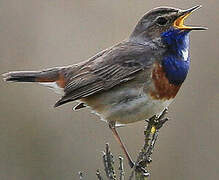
(49,75)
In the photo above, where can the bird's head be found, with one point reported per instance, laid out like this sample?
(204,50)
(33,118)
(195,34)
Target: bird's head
(160,20)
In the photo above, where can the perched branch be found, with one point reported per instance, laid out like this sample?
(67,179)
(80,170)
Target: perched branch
(151,134)
(99,177)
(108,162)
(139,171)
(121,169)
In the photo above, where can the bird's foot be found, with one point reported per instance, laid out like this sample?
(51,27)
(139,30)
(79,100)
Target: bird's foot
(142,170)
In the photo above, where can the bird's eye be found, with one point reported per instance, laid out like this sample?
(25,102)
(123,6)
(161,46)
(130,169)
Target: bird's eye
(162,21)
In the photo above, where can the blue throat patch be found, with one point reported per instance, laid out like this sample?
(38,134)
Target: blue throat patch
(176,61)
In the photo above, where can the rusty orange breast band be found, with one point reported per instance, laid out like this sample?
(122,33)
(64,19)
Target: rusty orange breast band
(163,90)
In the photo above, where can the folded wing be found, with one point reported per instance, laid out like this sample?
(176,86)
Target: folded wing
(106,70)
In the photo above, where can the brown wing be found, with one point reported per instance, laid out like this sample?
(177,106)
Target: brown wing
(106,70)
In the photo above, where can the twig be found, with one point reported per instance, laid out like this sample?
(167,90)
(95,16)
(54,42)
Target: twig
(121,169)
(99,177)
(80,175)
(144,157)
(108,162)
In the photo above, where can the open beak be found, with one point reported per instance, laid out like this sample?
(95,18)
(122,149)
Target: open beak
(179,22)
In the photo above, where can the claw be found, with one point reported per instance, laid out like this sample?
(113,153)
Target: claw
(142,170)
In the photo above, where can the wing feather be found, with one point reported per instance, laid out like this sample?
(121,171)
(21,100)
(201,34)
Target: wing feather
(114,66)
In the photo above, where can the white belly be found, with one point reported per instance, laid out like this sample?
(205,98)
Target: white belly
(127,106)
(137,109)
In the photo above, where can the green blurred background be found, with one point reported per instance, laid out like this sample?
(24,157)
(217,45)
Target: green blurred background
(40,142)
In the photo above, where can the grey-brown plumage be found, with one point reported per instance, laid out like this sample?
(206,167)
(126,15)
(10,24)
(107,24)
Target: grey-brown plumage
(107,73)
(111,67)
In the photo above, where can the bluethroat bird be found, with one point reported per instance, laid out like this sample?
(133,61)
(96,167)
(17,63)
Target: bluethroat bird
(130,81)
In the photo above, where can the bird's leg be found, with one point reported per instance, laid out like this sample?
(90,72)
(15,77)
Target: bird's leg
(116,135)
